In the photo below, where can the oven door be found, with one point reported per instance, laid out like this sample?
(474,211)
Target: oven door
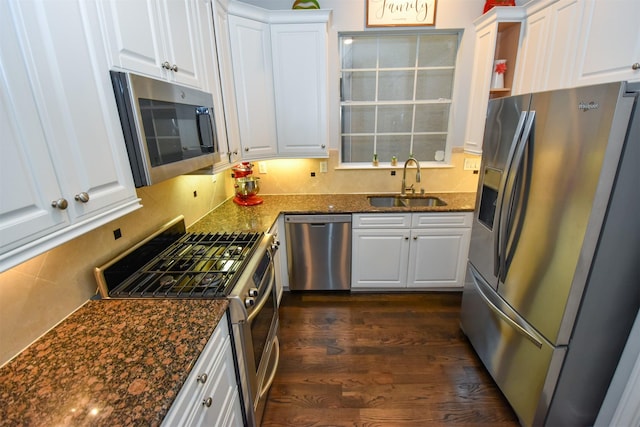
(255,328)
(264,325)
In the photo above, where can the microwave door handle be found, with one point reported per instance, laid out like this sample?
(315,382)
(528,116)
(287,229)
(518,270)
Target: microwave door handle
(501,191)
(203,114)
(507,216)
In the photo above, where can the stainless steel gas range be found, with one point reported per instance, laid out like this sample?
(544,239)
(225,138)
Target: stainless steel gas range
(171,263)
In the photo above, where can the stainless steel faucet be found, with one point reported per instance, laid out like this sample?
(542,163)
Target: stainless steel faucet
(404,189)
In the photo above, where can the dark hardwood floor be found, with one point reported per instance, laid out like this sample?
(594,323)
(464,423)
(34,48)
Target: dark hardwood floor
(379,360)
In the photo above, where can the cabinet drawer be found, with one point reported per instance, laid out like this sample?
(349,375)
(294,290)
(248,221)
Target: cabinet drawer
(381,220)
(454,219)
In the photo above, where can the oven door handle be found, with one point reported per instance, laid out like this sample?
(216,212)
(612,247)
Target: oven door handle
(263,301)
(272,375)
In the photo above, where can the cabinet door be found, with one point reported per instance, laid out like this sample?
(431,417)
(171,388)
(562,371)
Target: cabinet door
(562,43)
(379,258)
(438,257)
(181,36)
(252,69)
(80,114)
(223,47)
(610,48)
(300,82)
(28,179)
(479,96)
(531,68)
(134,36)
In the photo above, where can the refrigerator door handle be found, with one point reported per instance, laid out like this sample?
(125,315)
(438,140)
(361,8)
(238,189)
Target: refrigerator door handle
(506,220)
(521,329)
(503,184)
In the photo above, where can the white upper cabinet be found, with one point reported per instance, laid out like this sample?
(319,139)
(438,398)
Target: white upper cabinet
(253,77)
(64,164)
(550,40)
(156,38)
(610,42)
(280,77)
(223,48)
(300,82)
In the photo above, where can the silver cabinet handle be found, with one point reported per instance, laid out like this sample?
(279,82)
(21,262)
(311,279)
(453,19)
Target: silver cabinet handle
(207,402)
(82,197)
(636,66)
(415,237)
(60,204)
(323,146)
(166,65)
(202,378)
(174,67)
(246,149)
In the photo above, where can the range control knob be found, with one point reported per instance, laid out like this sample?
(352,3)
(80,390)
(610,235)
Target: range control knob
(249,302)
(253,292)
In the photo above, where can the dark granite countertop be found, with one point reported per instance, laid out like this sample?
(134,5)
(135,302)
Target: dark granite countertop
(231,217)
(112,362)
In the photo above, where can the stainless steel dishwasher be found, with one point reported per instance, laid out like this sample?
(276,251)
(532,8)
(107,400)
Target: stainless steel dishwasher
(318,251)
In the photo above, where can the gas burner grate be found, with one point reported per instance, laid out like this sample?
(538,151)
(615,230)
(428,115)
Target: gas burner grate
(195,266)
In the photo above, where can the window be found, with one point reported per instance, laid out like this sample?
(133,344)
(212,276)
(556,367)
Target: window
(396,95)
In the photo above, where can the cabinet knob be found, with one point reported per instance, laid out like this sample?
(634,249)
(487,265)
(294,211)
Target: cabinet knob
(60,204)
(82,197)
(406,238)
(323,146)
(246,149)
(207,402)
(415,237)
(174,67)
(636,66)
(202,378)
(166,65)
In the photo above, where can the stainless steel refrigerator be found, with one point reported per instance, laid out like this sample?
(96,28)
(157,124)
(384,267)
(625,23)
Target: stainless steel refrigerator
(553,281)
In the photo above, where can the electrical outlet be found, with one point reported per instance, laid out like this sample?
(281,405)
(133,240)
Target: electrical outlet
(471,164)
(323,166)
(262,167)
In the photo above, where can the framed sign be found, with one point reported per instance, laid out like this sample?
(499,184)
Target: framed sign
(399,13)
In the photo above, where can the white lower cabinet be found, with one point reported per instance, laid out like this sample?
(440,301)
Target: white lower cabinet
(209,396)
(409,251)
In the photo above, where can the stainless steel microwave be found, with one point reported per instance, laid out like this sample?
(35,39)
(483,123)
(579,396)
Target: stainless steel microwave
(169,130)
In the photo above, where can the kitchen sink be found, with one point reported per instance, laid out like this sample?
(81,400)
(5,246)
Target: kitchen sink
(405,201)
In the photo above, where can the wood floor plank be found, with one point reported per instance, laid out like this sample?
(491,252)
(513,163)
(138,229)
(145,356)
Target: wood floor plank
(379,360)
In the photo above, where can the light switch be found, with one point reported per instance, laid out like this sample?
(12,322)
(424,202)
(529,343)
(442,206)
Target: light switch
(323,166)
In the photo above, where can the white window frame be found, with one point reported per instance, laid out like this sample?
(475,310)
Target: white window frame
(446,160)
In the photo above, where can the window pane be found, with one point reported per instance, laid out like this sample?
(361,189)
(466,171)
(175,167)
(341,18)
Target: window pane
(434,84)
(395,85)
(393,145)
(432,118)
(425,147)
(358,119)
(395,118)
(362,52)
(397,51)
(437,50)
(357,148)
(359,86)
